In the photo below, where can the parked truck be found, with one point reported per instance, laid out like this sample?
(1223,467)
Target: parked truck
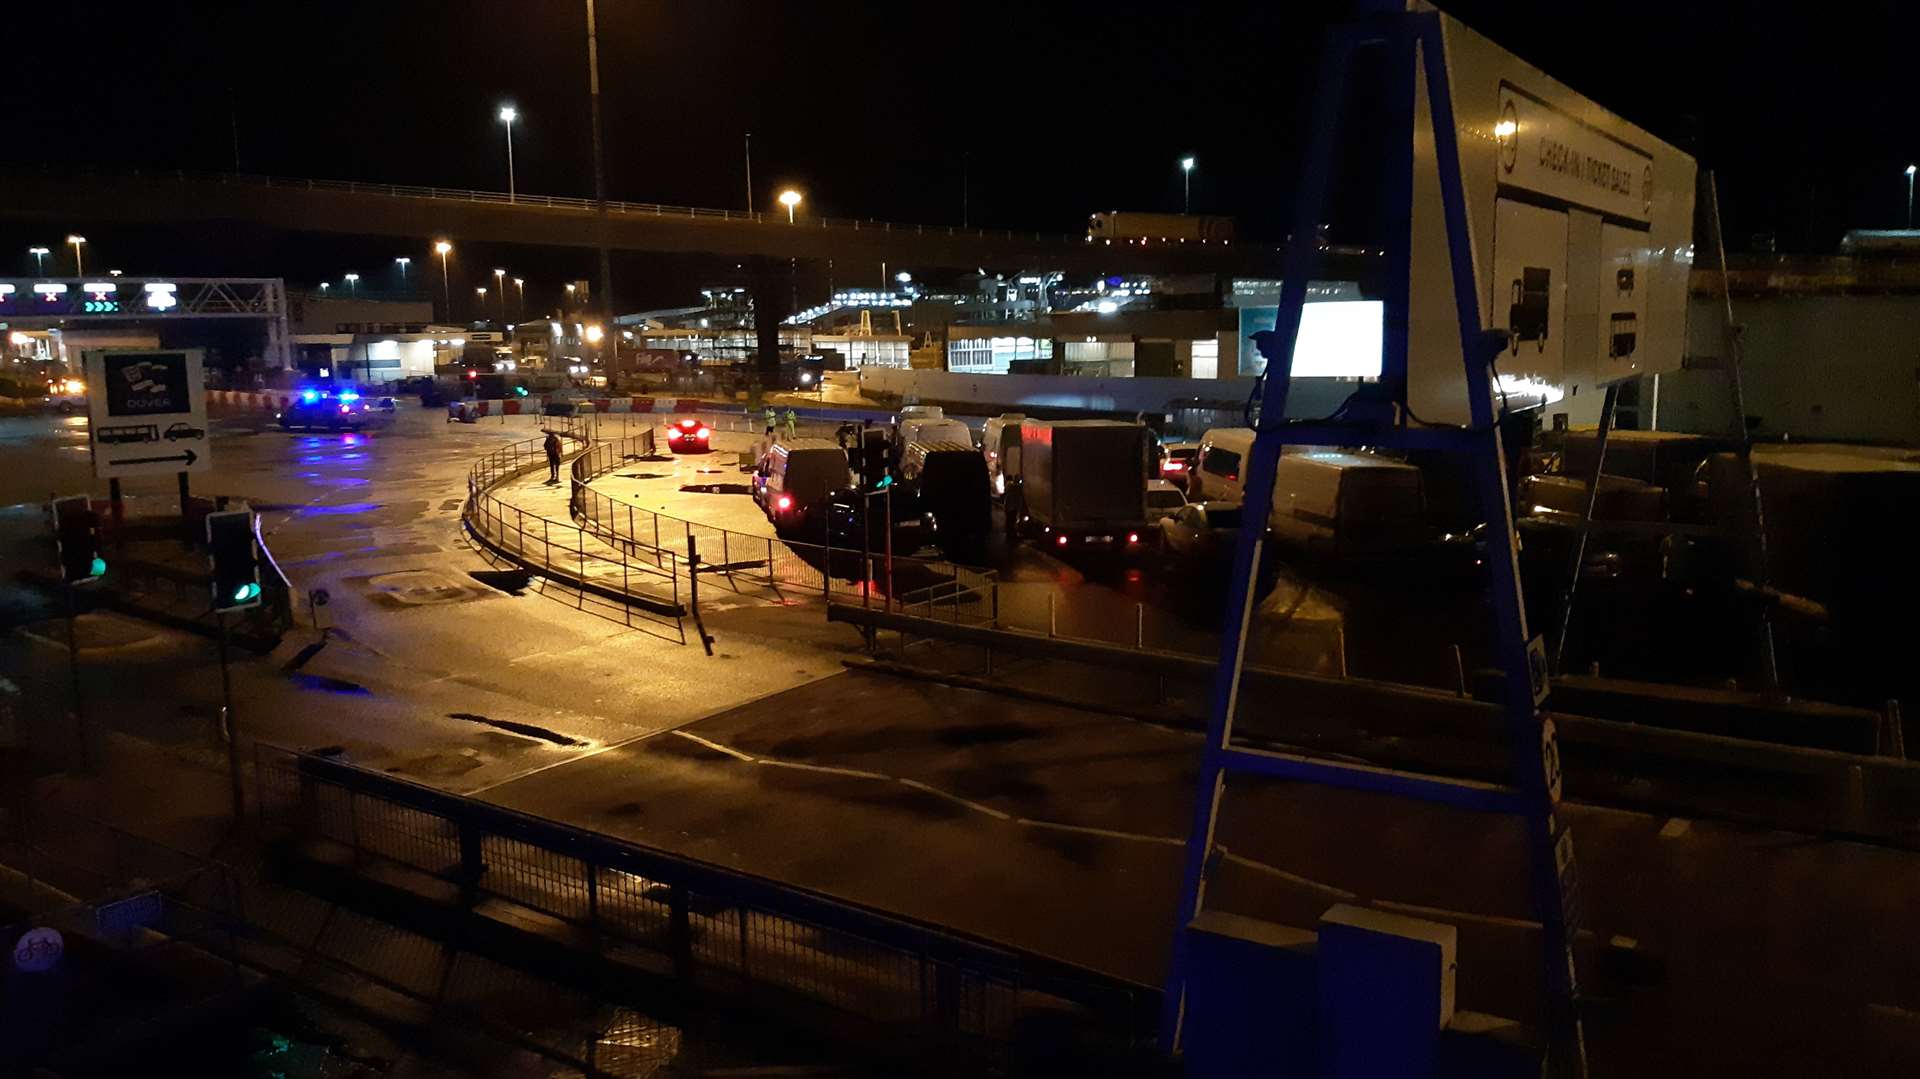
(1082,485)
(1154,228)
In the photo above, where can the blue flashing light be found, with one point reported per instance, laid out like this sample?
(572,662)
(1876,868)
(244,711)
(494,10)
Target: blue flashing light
(309,396)
(349,395)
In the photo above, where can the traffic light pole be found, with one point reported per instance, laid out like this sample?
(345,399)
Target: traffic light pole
(230,727)
(186,519)
(73,665)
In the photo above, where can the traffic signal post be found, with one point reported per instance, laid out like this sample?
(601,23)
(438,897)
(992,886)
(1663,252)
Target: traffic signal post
(233,559)
(76,536)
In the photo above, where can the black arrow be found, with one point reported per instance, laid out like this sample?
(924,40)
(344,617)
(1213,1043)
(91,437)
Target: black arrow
(189,457)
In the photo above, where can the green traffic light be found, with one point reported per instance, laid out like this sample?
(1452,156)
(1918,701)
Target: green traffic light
(99,567)
(245,592)
(521,390)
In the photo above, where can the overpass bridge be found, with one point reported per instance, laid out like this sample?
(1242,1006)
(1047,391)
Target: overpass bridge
(86,198)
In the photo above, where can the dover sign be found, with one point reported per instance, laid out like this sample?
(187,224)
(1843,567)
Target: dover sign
(148,410)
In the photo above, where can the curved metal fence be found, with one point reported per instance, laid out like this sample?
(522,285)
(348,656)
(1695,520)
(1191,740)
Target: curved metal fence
(745,562)
(645,588)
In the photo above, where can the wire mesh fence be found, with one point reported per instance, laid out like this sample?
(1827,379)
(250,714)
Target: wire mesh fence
(956,1001)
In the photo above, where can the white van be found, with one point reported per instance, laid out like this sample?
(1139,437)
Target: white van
(935,428)
(795,478)
(1348,504)
(1000,445)
(1215,475)
(1329,501)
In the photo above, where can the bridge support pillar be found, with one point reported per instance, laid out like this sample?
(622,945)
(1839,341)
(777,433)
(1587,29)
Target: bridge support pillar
(770,282)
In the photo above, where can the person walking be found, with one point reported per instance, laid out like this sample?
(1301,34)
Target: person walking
(792,421)
(553,458)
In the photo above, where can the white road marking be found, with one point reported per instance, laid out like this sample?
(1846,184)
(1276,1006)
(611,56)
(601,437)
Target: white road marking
(1276,871)
(715,746)
(975,806)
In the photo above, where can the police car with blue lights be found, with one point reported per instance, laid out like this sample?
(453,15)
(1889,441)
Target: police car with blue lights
(329,408)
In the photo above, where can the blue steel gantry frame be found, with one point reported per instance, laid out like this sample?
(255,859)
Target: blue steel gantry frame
(1413,46)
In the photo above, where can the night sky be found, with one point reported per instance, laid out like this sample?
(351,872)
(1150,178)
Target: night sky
(1048,109)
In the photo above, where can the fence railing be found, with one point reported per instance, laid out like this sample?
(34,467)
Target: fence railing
(954,1001)
(565,202)
(744,562)
(646,587)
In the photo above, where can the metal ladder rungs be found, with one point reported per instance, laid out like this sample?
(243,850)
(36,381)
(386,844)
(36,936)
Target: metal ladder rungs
(1460,793)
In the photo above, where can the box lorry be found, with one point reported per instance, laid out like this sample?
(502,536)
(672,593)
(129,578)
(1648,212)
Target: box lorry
(1082,485)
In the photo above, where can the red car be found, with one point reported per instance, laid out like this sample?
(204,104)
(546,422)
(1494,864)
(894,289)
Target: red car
(688,436)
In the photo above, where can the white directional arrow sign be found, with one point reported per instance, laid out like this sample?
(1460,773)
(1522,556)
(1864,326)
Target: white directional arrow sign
(148,412)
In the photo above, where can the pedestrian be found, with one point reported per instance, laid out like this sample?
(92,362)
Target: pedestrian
(792,420)
(772,417)
(553,458)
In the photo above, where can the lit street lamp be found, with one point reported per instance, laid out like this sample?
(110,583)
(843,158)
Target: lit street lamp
(1910,172)
(39,260)
(441,248)
(76,241)
(325,285)
(353,284)
(1186,177)
(481,309)
(508,114)
(520,290)
(403,262)
(500,284)
(789,198)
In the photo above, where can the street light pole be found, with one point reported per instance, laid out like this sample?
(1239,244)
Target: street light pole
(1186,177)
(599,174)
(441,248)
(353,284)
(749,172)
(76,241)
(480,308)
(500,285)
(508,114)
(789,198)
(1910,172)
(520,290)
(403,262)
(39,260)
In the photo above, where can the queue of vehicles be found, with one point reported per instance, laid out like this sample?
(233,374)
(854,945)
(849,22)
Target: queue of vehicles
(1100,488)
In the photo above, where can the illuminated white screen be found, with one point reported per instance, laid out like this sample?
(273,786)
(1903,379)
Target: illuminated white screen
(1339,339)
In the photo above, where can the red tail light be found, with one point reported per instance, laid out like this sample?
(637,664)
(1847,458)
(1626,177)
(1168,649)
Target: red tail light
(1174,466)
(1061,540)
(785,502)
(1133,537)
